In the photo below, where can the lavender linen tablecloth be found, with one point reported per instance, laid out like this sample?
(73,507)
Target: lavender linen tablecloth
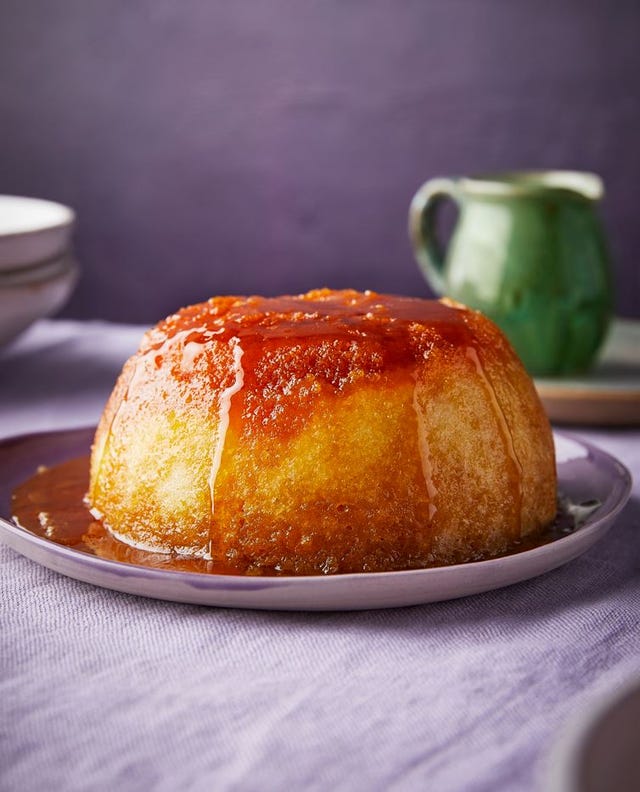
(101,690)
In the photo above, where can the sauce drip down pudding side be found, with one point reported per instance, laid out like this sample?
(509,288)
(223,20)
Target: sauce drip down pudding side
(330,432)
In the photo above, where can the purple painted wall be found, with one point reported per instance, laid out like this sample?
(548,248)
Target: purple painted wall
(273,145)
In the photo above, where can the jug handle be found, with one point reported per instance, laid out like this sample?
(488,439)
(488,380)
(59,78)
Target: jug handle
(427,247)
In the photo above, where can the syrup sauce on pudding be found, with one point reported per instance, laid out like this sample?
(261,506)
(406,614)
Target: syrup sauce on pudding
(325,433)
(52,504)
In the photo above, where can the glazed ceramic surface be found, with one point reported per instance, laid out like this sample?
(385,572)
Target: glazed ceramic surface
(609,394)
(598,749)
(585,473)
(32,231)
(529,251)
(32,293)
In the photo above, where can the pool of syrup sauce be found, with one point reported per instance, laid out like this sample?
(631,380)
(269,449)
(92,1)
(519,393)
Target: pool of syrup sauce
(51,504)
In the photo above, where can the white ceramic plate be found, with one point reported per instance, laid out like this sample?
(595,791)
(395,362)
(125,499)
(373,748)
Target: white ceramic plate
(609,395)
(584,473)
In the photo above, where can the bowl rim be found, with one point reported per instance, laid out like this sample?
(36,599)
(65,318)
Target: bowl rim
(563,765)
(68,218)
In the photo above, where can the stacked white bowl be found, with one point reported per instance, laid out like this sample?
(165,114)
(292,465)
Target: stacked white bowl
(37,268)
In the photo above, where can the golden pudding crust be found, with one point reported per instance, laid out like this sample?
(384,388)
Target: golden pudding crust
(328,432)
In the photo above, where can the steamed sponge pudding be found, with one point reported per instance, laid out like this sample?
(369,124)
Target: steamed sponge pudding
(329,432)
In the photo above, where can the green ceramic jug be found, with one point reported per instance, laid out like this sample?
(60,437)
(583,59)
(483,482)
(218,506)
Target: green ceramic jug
(528,250)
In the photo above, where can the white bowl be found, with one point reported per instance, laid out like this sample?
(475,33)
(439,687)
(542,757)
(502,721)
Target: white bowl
(34,292)
(32,230)
(599,750)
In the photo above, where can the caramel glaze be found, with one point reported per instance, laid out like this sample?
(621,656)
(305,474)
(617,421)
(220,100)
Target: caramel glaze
(373,332)
(330,335)
(51,504)
(324,336)
(260,362)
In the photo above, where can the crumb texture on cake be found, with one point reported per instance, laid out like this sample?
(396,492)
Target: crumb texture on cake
(335,431)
